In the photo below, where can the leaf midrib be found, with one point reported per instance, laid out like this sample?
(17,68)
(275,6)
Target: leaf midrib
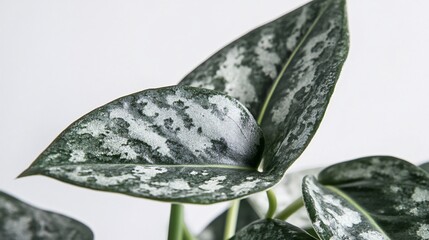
(37,170)
(289,60)
(358,207)
(161,165)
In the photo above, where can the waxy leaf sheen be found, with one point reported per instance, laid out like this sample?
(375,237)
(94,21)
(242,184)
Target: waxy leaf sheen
(19,221)
(272,229)
(384,193)
(284,72)
(179,144)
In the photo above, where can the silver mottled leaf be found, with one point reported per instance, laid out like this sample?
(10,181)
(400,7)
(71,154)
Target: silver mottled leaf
(299,101)
(20,221)
(393,193)
(334,217)
(272,229)
(284,72)
(178,144)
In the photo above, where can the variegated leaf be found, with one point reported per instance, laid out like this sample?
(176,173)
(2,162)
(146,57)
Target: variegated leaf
(284,72)
(391,193)
(334,217)
(179,144)
(20,221)
(298,101)
(425,166)
(215,229)
(272,229)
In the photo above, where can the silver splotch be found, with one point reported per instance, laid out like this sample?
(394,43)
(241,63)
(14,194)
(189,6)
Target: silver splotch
(267,59)
(77,156)
(420,195)
(245,187)
(236,76)
(423,231)
(213,184)
(372,235)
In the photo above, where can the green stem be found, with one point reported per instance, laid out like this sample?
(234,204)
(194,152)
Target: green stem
(176,222)
(231,220)
(187,235)
(291,209)
(272,204)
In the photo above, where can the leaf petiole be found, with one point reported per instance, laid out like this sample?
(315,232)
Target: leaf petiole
(176,222)
(272,203)
(231,220)
(291,209)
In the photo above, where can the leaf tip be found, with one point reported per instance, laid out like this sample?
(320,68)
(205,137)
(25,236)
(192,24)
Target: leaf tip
(27,172)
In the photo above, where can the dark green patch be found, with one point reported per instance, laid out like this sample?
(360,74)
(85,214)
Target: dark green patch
(272,229)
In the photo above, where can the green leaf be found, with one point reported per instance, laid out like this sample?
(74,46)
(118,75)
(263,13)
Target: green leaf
(20,221)
(425,166)
(216,228)
(178,144)
(272,229)
(284,72)
(336,217)
(369,196)
(297,102)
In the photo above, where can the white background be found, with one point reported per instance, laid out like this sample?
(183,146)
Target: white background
(61,59)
